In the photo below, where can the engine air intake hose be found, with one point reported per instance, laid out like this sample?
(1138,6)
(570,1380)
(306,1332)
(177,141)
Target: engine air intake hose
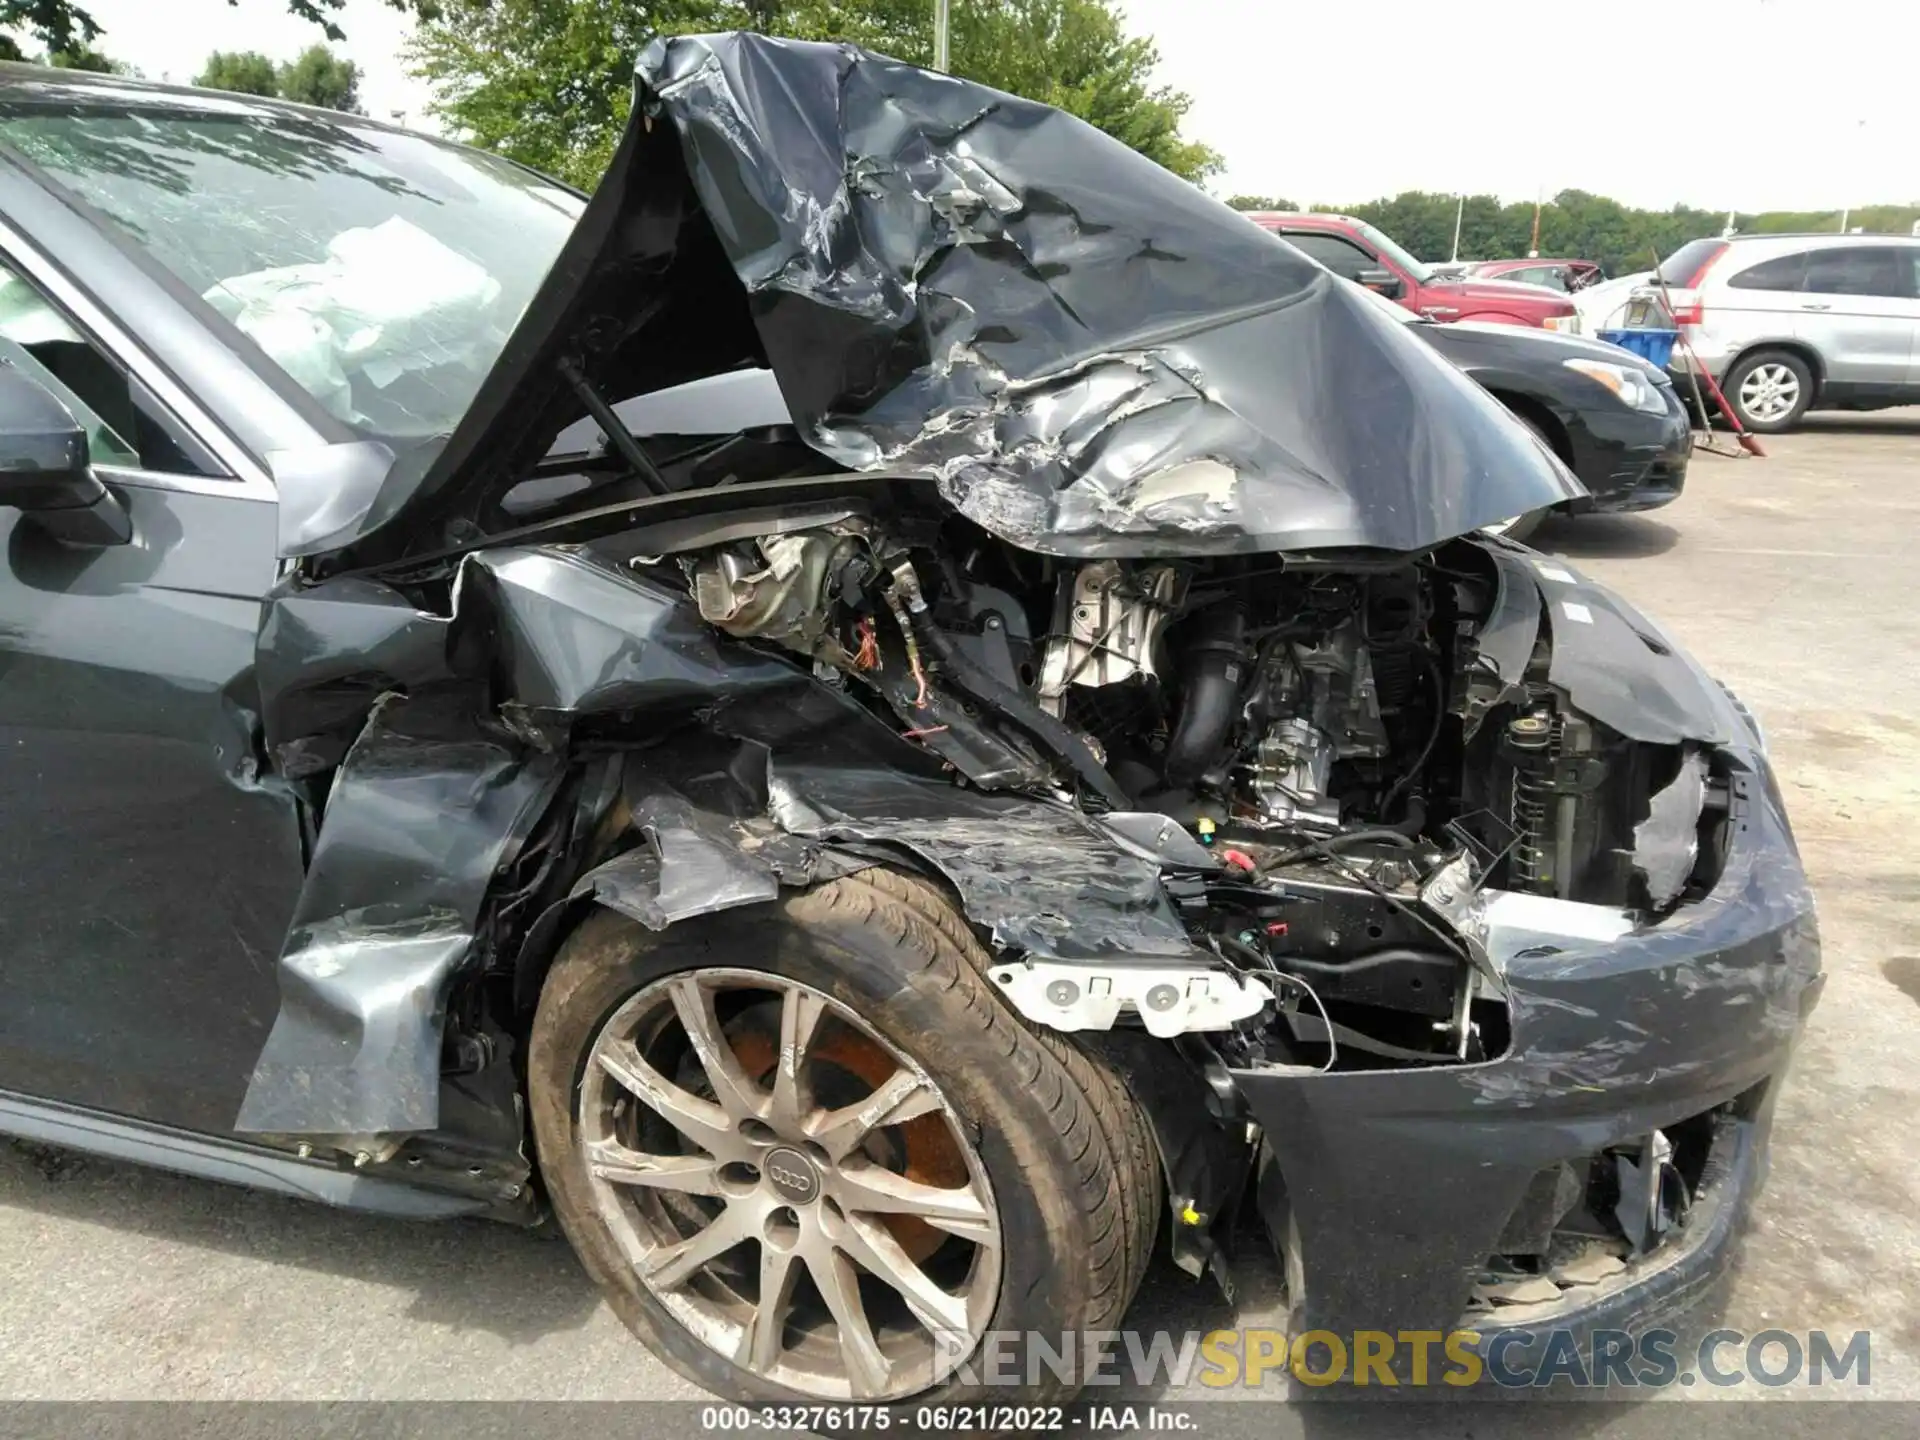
(1210,686)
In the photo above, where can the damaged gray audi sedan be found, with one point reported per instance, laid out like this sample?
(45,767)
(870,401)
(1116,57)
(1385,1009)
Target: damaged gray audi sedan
(876,879)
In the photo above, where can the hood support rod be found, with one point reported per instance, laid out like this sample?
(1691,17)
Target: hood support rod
(617,433)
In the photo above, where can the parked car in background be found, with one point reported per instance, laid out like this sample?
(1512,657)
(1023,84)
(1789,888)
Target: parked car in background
(1609,416)
(1603,305)
(1566,276)
(1357,251)
(1789,323)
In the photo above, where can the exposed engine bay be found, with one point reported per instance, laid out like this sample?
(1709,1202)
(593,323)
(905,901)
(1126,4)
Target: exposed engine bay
(1350,778)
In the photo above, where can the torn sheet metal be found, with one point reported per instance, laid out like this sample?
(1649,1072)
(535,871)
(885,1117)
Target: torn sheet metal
(1399,1182)
(1088,354)
(326,653)
(791,787)
(1619,668)
(708,844)
(1041,877)
(422,813)
(572,634)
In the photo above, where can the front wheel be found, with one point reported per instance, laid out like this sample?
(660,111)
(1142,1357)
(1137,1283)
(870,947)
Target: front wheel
(1769,390)
(809,1154)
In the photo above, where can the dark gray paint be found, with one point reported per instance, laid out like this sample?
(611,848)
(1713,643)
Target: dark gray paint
(148,868)
(428,804)
(225,1161)
(1089,355)
(1400,1182)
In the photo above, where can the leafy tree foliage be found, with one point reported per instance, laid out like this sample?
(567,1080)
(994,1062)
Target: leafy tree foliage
(1260,202)
(246,72)
(85,57)
(317,77)
(320,77)
(548,82)
(67,26)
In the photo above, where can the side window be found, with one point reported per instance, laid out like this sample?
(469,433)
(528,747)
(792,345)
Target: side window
(1340,256)
(125,426)
(1860,270)
(1785,272)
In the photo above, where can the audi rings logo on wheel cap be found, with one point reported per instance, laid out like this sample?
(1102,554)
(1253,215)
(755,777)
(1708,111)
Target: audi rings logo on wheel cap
(793,1175)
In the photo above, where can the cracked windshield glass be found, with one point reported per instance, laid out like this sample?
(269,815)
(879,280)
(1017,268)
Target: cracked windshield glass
(382,272)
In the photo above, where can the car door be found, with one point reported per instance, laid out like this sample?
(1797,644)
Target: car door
(1857,307)
(147,870)
(1759,304)
(1912,256)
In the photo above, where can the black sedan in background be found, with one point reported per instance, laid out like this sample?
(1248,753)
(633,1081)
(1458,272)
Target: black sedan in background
(1610,416)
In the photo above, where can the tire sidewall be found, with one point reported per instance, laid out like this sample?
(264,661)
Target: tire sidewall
(1736,377)
(610,958)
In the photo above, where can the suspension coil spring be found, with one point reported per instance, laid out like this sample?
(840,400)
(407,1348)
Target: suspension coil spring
(1531,743)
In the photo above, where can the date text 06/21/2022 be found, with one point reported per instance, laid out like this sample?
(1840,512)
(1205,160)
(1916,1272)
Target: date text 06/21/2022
(938,1419)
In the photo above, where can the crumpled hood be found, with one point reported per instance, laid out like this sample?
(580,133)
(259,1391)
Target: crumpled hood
(1089,355)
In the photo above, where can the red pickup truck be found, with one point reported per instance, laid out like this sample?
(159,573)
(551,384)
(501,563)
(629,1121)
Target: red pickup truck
(1356,250)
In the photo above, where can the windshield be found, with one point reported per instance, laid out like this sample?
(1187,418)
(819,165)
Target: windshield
(1418,269)
(382,272)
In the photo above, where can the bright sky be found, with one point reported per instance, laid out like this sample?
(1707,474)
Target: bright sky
(1748,104)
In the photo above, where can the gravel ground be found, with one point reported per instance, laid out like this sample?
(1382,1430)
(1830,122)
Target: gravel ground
(1787,576)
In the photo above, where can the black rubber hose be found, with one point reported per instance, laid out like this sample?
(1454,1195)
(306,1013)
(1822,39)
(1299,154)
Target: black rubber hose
(982,685)
(1412,773)
(1328,846)
(1210,689)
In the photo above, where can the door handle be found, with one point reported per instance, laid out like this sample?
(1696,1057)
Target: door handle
(1810,305)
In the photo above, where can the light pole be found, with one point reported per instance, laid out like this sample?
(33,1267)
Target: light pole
(1459,209)
(940,35)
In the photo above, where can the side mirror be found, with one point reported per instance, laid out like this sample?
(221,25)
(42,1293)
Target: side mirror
(45,471)
(1382,282)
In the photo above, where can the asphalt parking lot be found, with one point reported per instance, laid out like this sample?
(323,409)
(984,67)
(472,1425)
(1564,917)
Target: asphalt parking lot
(1788,576)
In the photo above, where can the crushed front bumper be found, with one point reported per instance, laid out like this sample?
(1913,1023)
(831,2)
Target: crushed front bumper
(1390,1192)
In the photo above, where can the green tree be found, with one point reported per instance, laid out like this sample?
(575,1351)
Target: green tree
(67,26)
(319,77)
(548,82)
(1260,202)
(246,72)
(85,57)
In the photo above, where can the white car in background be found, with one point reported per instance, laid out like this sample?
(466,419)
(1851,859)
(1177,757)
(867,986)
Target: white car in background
(1604,306)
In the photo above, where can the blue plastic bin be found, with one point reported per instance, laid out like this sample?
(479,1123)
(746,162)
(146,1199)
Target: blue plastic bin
(1653,346)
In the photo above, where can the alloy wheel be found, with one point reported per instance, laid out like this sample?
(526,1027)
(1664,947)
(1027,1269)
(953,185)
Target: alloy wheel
(795,1191)
(1769,392)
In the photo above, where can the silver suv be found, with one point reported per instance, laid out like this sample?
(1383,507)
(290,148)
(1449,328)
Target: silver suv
(1789,322)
